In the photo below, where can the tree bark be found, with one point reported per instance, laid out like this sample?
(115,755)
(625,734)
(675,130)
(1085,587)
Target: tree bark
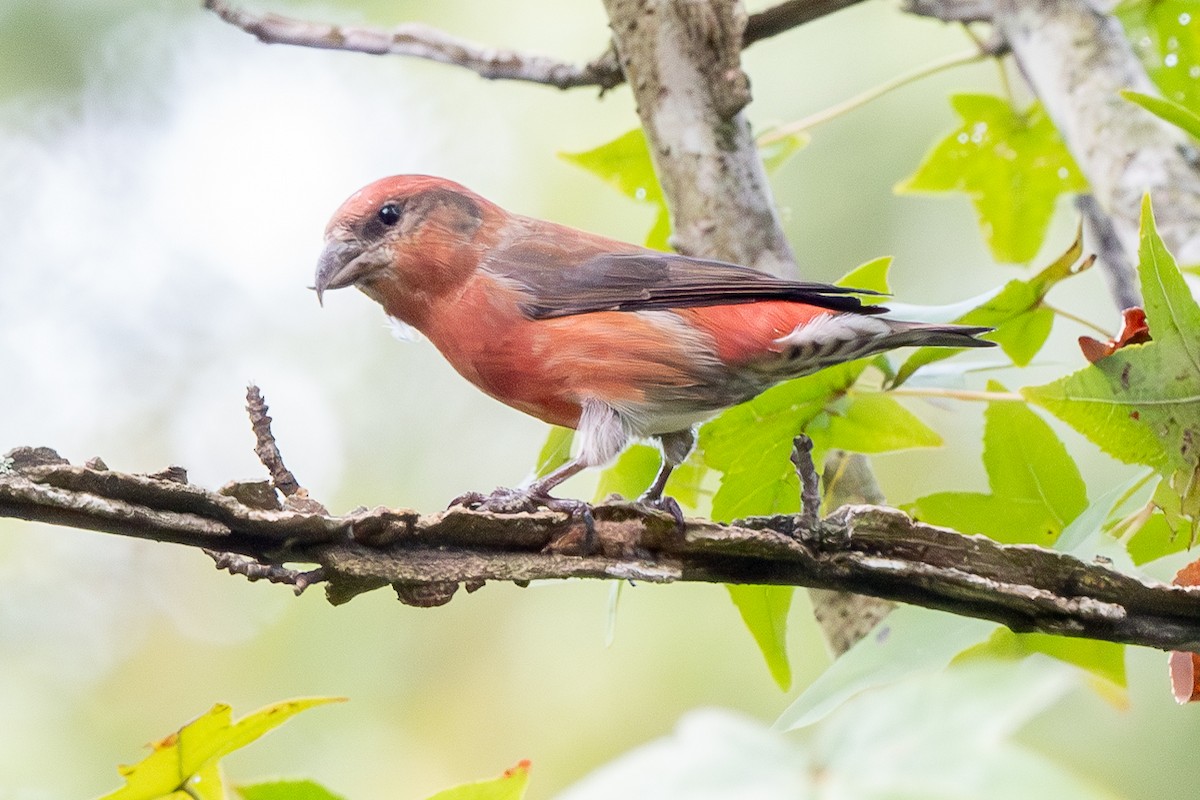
(682,60)
(1077,60)
(863,549)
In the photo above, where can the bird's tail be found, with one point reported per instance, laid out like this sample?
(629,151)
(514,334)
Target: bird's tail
(837,338)
(925,334)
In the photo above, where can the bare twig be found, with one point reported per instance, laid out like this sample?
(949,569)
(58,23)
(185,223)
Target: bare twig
(810,484)
(785,16)
(255,570)
(863,549)
(493,63)
(1118,272)
(874,93)
(264,443)
(422,41)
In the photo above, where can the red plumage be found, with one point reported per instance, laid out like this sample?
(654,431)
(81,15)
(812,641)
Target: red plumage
(578,330)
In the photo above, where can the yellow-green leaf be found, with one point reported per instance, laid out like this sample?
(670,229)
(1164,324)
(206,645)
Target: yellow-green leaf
(1012,164)
(287,790)
(190,756)
(625,164)
(556,451)
(631,474)
(1105,660)
(509,786)
(1022,323)
(751,444)
(1166,35)
(1174,113)
(1036,487)
(870,423)
(765,609)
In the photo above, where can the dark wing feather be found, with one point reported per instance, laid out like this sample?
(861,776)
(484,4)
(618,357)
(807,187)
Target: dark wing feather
(650,281)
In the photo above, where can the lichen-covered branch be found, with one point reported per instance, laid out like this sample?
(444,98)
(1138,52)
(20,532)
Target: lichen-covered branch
(426,557)
(683,64)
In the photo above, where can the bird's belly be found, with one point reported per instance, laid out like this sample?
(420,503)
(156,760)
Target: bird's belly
(658,372)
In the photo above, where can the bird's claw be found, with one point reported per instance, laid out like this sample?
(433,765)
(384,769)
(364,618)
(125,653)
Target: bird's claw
(667,504)
(516,501)
(501,501)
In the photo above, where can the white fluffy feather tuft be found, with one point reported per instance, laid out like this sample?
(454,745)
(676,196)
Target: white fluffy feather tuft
(601,433)
(403,331)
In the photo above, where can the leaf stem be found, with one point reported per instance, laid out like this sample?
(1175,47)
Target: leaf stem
(958,394)
(1077,319)
(1125,528)
(861,99)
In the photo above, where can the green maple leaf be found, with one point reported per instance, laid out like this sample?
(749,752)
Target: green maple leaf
(1142,403)
(1036,487)
(1166,35)
(1016,310)
(1013,165)
(625,164)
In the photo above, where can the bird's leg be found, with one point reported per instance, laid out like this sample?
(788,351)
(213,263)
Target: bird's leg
(675,448)
(537,495)
(602,433)
(541,488)
(539,492)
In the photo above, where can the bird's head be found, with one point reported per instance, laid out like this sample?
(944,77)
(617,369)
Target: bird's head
(404,237)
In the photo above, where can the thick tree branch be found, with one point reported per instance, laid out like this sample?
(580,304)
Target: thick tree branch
(683,64)
(493,63)
(426,557)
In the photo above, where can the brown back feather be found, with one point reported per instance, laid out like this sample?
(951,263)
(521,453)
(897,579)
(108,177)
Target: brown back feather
(640,281)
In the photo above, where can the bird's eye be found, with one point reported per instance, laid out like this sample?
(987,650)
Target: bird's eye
(389,214)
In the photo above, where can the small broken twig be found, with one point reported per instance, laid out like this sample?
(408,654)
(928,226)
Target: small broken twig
(810,483)
(265,447)
(255,570)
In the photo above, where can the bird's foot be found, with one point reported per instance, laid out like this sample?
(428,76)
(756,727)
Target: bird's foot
(664,503)
(501,501)
(516,501)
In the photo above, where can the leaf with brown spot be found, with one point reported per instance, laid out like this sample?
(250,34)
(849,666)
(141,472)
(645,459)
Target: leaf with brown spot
(1142,403)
